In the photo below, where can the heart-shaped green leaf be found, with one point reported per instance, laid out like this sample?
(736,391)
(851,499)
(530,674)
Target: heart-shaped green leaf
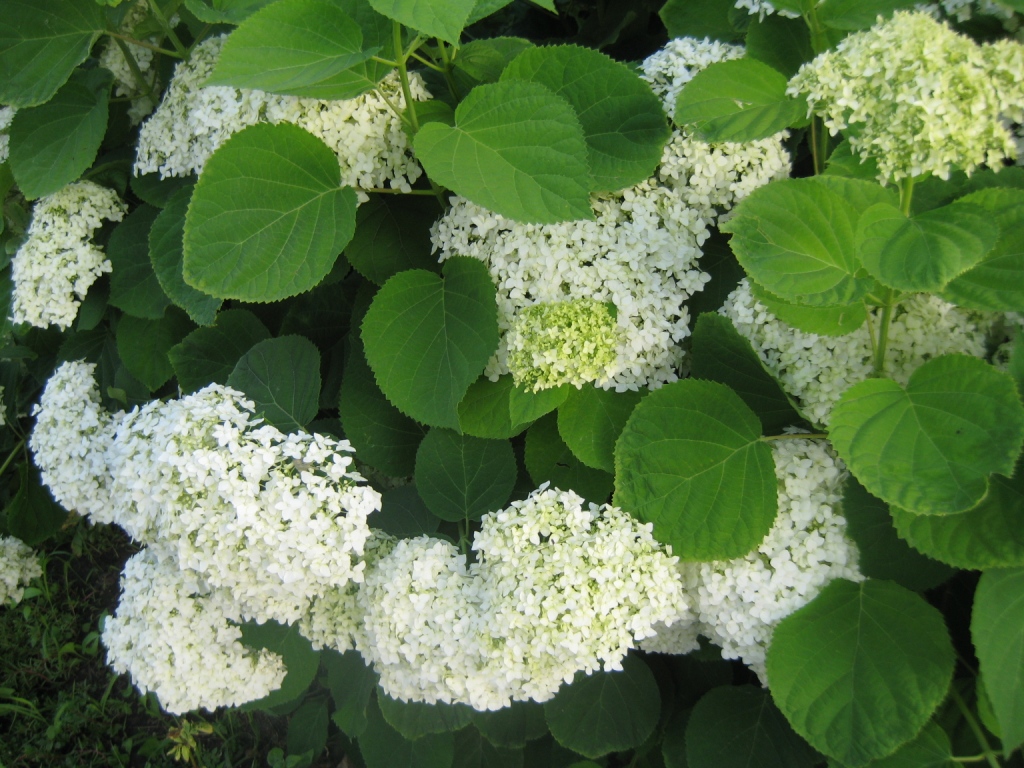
(517,148)
(691,461)
(428,339)
(860,669)
(268,217)
(444,20)
(738,100)
(930,448)
(923,253)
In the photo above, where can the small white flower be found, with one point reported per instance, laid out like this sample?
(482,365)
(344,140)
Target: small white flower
(6,116)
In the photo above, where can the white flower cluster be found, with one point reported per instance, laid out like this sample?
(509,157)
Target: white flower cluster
(57,263)
(126,83)
(640,254)
(173,635)
(738,603)
(556,588)
(18,566)
(711,178)
(272,520)
(70,441)
(816,370)
(6,116)
(919,98)
(192,121)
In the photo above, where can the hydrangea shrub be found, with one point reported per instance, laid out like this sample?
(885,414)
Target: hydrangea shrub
(643,394)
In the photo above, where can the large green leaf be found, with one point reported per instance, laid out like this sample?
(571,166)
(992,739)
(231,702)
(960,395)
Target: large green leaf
(352,683)
(997,629)
(208,355)
(41,42)
(516,148)
(623,121)
(691,461)
(883,554)
(381,746)
(923,253)
(224,11)
(525,406)
(930,448)
(472,750)
(392,235)
(781,43)
(719,353)
(299,657)
(144,345)
(738,100)
(282,376)
(486,59)
(824,321)
(403,513)
(797,238)
(989,535)
(591,420)
(700,18)
(461,477)
(383,436)
(32,515)
(295,47)
(859,670)
(858,14)
(268,217)
(134,288)
(167,257)
(997,282)
(53,144)
(513,726)
(428,339)
(549,460)
(415,719)
(606,711)
(444,20)
(307,727)
(731,724)
(484,411)
(929,749)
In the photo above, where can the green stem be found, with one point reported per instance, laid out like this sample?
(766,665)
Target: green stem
(385,62)
(906,194)
(968,759)
(796,436)
(975,727)
(428,63)
(883,337)
(819,35)
(464,537)
(446,60)
(145,88)
(162,20)
(143,44)
(403,75)
(819,144)
(11,455)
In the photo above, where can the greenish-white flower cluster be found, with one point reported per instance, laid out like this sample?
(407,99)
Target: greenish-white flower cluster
(58,262)
(18,566)
(174,635)
(268,520)
(6,116)
(563,342)
(918,97)
(816,369)
(193,120)
(964,10)
(640,253)
(557,588)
